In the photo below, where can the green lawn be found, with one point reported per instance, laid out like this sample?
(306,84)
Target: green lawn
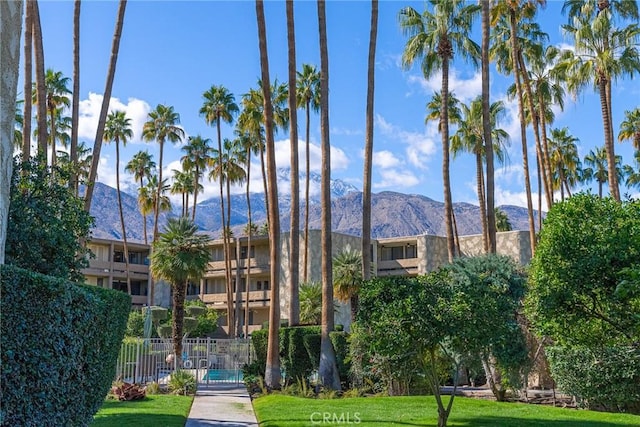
(156,410)
(422,411)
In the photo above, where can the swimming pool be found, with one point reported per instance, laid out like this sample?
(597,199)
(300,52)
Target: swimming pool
(229,375)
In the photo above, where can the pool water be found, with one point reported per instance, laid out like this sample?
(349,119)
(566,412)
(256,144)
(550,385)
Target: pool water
(223,375)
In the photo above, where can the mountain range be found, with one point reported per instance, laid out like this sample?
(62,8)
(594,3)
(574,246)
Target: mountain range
(392,214)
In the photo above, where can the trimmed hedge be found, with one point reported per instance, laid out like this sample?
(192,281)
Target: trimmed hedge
(60,344)
(300,351)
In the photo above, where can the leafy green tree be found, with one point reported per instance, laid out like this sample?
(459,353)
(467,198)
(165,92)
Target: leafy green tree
(179,255)
(46,223)
(196,158)
(582,289)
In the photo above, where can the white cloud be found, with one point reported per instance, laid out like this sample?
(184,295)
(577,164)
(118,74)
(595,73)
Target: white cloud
(464,89)
(420,146)
(396,178)
(346,132)
(135,109)
(385,159)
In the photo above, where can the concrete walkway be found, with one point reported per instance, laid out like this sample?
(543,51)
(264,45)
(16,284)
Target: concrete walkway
(222,405)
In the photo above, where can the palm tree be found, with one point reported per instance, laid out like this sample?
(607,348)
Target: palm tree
(11,31)
(82,165)
(18,127)
(502,220)
(633,175)
(602,52)
(141,166)
(196,157)
(56,97)
(219,105)
(486,125)
(272,369)
(630,127)
(435,37)
(106,98)
(28,80)
(148,196)
(597,168)
(310,303)
(294,233)
(75,100)
(564,158)
(347,278)
(469,137)
(368,145)
(327,371)
(506,17)
(41,93)
(118,129)
(308,94)
(183,184)
(163,125)
(179,255)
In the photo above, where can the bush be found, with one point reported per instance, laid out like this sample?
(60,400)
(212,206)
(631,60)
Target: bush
(259,339)
(60,344)
(135,324)
(606,378)
(340,341)
(182,382)
(293,353)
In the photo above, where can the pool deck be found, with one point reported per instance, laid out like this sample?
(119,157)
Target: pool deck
(222,405)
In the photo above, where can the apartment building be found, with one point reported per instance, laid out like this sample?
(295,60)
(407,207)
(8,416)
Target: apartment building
(401,256)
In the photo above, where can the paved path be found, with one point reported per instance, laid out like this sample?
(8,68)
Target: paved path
(222,405)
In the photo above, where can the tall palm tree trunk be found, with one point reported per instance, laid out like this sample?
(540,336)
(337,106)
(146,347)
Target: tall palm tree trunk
(368,155)
(41,92)
(28,81)
(483,207)
(545,140)
(156,214)
(97,144)
(75,99)
(294,233)
(272,369)
(144,218)
(328,371)
(523,129)
(179,295)
(305,261)
(10,32)
(539,170)
(614,190)
(486,128)
(195,193)
(248,281)
(124,231)
(446,182)
(264,179)
(225,241)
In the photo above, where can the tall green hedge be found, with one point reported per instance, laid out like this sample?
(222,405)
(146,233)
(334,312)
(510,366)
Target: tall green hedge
(60,343)
(293,353)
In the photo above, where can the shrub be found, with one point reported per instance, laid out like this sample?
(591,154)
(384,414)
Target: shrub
(135,324)
(294,355)
(340,341)
(606,378)
(182,382)
(259,339)
(60,343)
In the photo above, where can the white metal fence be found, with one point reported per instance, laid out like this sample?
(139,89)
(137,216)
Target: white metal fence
(210,360)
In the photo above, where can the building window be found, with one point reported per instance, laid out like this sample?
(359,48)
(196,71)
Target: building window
(263,285)
(120,286)
(243,252)
(412,251)
(100,282)
(217,254)
(118,256)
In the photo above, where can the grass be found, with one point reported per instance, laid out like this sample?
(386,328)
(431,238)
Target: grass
(422,411)
(164,410)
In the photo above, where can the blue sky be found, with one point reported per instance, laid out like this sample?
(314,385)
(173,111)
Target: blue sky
(171,52)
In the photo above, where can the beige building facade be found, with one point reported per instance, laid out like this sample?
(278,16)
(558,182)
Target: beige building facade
(398,256)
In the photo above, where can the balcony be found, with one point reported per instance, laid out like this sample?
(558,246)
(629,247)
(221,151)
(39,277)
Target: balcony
(398,267)
(256,298)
